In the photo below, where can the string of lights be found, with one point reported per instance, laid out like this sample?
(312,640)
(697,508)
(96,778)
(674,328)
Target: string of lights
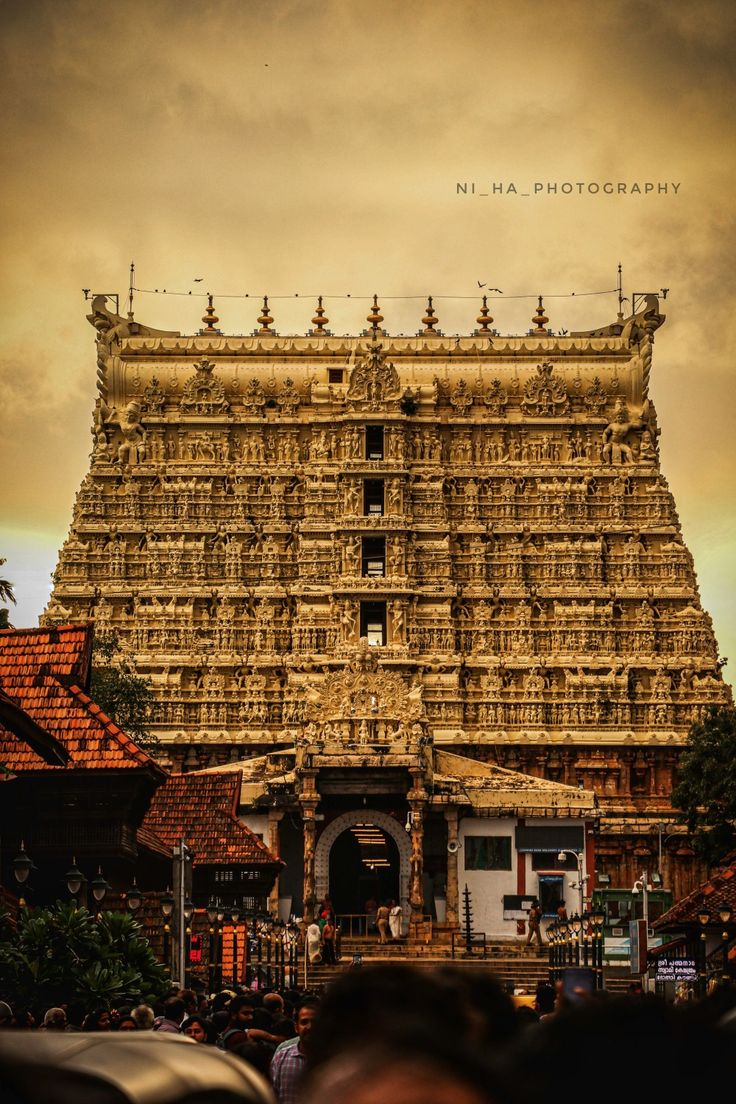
(347,295)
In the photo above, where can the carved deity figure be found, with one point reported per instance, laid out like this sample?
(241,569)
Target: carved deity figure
(133,449)
(397,614)
(615,450)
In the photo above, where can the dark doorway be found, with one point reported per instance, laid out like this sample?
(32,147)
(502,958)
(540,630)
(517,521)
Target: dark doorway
(551,892)
(374,556)
(373,622)
(364,863)
(373,497)
(374,442)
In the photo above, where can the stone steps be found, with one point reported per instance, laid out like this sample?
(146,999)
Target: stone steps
(511,964)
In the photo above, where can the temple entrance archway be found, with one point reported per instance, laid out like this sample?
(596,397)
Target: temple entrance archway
(338,857)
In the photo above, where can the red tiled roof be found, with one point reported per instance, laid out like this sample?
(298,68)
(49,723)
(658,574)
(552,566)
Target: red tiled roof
(37,670)
(19,724)
(63,651)
(720,888)
(200,808)
(148,839)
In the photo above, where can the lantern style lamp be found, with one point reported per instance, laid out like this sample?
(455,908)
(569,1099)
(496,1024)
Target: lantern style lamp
(74,879)
(134,898)
(22,865)
(99,886)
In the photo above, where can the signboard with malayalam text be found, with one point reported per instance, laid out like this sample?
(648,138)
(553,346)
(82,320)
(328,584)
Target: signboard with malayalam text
(676,969)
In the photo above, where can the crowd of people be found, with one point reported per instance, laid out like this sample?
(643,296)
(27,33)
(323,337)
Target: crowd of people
(323,935)
(400,1035)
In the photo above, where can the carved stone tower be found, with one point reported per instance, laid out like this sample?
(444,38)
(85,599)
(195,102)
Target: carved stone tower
(486,512)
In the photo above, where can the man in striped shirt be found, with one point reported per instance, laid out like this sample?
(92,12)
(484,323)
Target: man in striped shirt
(287,1066)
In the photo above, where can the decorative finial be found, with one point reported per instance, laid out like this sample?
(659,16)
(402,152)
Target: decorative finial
(540,319)
(485,318)
(320,319)
(620,286)
(429,319)
(265,318)
(375,317)
(131,282)
(209,317)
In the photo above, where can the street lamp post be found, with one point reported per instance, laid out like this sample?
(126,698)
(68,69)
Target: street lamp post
(75,882)
(212,953)
(22,867)
(167,909)
(188,913)
(703,920)
(134,898)
(235,917)
(183,855)
(641,885)
(598,919)
(725,912)
(219,945)
(99,888)
(577,921)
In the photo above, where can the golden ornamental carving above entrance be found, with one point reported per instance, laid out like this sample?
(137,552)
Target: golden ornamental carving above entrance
(204,394)
(374,380)
(365,691)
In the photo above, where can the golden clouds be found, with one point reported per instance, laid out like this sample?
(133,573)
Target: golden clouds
(316,147)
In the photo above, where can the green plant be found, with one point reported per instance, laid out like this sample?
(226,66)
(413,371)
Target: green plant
(120,692)
(62,954)
(706,784)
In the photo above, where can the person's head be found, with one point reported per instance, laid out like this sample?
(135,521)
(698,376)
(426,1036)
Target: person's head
(545,999)
(99,1020)
(421,1075)
(274,1003)
(143,1017)
(283,1026)
(190,1000)
(304,1018)
(393,1005)
(255,1054)
(241,1012)
(55,1019)
(196,1027)
(126,1023)
(221,1000)
(174,1009)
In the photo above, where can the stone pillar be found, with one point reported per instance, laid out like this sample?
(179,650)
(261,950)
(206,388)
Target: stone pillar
(309,800)
(417,798)
(275,816)
(310,834)
(452,891)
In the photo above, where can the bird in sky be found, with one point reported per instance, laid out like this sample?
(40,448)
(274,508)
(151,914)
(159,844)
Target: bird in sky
(480,285)
(198,279)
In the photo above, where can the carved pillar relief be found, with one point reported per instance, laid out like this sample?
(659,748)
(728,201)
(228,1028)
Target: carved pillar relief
(417,800)
(308,801)
(275,816)
(452,891)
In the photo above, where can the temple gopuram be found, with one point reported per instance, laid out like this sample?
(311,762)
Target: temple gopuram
(428,593)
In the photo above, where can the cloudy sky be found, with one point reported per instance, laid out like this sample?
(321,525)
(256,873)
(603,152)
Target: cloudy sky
(310,148)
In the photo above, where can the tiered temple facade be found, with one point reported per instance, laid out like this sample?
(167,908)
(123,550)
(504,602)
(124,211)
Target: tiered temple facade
(478,524)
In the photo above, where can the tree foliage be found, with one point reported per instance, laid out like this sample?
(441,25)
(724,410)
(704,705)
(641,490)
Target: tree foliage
(62,954)
(7,594)
(120,692)
(706,787)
